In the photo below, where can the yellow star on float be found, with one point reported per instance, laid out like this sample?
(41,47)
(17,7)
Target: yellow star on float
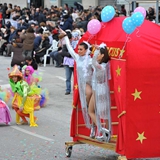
(136,94)
(141,137)
(118,71)
(119,89)
(76,86)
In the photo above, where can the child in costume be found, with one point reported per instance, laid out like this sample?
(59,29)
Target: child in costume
(84,74)
(27,76)
(99,106)
(32,77)
(23,101)
(5,116)
(32,82)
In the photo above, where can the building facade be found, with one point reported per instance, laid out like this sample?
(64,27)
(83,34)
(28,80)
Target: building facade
(86,3)
(48,3)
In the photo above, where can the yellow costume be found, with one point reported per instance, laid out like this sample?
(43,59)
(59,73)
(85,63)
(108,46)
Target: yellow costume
(23,98)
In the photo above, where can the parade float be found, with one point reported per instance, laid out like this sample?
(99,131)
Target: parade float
(134,47)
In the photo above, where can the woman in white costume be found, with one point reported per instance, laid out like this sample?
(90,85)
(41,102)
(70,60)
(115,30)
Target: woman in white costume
(99,106)
(84,74)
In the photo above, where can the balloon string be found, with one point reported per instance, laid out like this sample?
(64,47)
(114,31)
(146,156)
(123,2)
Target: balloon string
(90,38)
(137,33)
(103,25)
(128,39)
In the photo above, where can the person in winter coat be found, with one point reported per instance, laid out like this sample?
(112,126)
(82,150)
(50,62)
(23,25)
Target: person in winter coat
(38,39)
(41,18)
(67,23)
(4,38)
(17,52)
(28,41)
(22,24)
(2,42)
(29,61)
(11,37)
(42,48)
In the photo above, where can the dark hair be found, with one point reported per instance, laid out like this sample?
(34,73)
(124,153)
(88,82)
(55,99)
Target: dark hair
(28,58)
(86,11)
(19,78)
(69,34)
(84,45)
(18,30)
(106,57)
(10,5)
(30,30)
(123,6)
(66,16)
(66,4)
(39,30)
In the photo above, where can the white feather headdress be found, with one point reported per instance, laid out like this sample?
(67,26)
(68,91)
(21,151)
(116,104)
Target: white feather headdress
(102,45)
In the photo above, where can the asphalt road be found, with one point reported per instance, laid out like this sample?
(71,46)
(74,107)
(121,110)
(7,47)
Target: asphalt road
(47,141)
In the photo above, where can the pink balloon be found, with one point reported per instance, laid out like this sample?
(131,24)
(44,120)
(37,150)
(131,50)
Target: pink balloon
(142,10)
(94,26)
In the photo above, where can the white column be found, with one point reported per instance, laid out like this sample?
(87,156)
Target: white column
(87,3)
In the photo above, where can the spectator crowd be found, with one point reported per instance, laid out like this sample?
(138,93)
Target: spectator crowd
(29,32)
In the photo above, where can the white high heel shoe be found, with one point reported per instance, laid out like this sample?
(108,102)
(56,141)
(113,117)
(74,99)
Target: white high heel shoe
(93,131)
(106,135)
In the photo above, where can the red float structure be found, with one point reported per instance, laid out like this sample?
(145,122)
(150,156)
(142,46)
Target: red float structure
(134,88)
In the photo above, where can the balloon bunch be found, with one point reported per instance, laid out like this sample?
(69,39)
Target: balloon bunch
(94,25)
(130,23)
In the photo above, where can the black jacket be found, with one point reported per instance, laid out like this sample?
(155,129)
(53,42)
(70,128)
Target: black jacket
(46,44)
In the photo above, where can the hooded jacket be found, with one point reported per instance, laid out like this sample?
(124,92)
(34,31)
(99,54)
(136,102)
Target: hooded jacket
(28,41)
(67,24)
(17,54)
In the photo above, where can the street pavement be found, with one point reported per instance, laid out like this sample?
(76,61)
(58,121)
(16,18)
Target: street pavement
(47,141)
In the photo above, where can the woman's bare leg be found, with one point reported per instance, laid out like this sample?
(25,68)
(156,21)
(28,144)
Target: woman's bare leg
(88,93)
(91,109)
(106,124)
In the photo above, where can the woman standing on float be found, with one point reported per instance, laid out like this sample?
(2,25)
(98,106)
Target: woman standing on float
(99,106)
(84,74)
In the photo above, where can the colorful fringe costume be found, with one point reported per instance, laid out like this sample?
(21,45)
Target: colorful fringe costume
(5,116)
(23,98)
(32,82)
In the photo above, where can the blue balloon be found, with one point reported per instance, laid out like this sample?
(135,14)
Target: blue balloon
(128,26)
(137,19)
(107,13)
